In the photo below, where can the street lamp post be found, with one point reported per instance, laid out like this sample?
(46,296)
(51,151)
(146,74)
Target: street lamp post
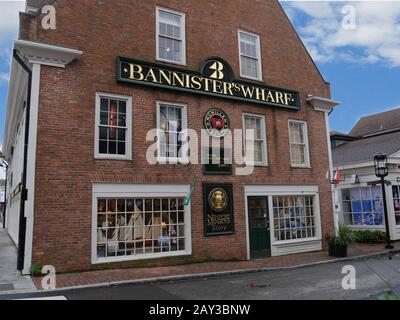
(382,171)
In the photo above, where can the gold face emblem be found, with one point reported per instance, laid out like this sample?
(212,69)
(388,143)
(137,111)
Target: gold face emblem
(218,200)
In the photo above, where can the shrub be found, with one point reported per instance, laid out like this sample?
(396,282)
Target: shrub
(36,271)
(368,236)
(344,237)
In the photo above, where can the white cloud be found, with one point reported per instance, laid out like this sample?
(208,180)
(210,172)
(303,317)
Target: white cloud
(376,37)
(4,77)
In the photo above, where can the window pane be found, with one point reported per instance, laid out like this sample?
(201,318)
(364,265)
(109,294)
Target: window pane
(294,217)
(113,115)
(171,125)
(363,206)
(249,67)
(170,24)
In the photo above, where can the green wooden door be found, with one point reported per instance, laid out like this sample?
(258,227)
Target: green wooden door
(260,239)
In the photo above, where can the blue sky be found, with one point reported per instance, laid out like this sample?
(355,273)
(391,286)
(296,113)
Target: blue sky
(362,64)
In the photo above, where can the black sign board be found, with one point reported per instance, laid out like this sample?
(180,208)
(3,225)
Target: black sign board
(215,78)
(218,162)
(218,209)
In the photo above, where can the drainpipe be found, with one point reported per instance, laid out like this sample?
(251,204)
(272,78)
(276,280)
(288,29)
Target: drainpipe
(24,191)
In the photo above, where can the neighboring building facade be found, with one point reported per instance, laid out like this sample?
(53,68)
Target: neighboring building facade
(359,203)
(86,196)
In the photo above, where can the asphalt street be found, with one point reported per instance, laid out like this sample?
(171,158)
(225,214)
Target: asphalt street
(322,282)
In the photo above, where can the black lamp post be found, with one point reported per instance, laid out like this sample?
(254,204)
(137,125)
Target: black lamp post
(382,171)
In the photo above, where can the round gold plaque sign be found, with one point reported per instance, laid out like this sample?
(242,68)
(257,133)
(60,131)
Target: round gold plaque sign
(218,199)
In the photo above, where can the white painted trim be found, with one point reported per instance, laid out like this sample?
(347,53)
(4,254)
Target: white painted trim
(128,145)
(140,191)
(46,54)
(307,164)
(328,139)
(183,35)
(259,66)
(323,104)
(31,167)
(264,163)
(281,190)
(170,160)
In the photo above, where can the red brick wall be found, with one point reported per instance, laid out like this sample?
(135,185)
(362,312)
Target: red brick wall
(103,30)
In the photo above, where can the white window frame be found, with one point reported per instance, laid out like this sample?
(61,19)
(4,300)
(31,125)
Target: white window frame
(128,150)
(307,163)
(170,160)
(295,246)
(260,68)
(140,191)
(183,35)
(263,163)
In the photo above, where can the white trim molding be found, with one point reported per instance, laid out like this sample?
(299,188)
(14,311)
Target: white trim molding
(322,104)
(182,35)
(264,162)
(140,191)
(46,54)
(128,137)
(307,159)
(259,57)
(279,248)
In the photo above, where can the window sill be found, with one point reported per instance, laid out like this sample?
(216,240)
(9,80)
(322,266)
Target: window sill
(151,256)
(297,241)
(181,64)
(108,157)
(173,161)
(246,78)
(301,167)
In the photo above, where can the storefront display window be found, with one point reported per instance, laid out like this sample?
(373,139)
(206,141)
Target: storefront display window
(134,227)
(396,202)
(294,217)
(363,206)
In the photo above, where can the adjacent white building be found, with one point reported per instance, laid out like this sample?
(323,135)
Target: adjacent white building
(357,201)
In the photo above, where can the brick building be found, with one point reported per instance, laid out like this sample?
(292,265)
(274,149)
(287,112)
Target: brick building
(83,194)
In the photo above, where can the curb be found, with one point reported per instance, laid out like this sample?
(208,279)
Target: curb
(200,275)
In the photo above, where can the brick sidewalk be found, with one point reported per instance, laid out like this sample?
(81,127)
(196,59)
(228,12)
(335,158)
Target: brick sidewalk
(120,275)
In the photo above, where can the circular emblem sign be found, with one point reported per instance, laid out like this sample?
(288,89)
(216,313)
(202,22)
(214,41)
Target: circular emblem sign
(218,200)
(217,123)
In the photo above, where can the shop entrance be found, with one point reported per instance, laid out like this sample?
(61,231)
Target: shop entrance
(259,227)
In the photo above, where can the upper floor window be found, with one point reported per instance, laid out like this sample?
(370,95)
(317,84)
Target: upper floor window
(113,127)
(250,55)
(257,123)
(299,149)
(171,121)
(171,42)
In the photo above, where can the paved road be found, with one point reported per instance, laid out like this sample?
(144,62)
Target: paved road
(318,282)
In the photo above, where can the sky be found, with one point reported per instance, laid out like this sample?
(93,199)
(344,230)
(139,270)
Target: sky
(356,46)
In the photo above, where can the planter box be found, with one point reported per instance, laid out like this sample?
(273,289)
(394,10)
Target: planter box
(337,251)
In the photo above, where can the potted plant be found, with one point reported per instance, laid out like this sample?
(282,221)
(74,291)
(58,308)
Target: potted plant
(339,242)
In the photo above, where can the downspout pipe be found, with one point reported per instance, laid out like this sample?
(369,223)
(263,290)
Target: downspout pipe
(24,191)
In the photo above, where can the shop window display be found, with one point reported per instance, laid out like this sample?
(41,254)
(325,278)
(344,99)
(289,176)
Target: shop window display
(133,227)
(363,206)
(294,217)
(396,202)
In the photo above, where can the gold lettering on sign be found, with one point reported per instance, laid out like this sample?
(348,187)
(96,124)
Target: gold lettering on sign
(248,92)
(136,71)
(288,98)
(218,67)
(176,78)
(167,78)
(151,75)
(196,83)
(270,97)
(279,98)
